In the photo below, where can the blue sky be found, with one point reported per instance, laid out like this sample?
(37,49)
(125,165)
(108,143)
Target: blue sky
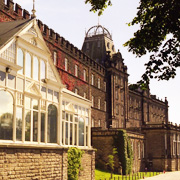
(72,18)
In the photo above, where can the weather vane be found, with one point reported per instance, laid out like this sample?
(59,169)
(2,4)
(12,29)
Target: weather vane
(33,10)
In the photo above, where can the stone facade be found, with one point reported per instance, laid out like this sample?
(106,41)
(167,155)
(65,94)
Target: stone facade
(41,163)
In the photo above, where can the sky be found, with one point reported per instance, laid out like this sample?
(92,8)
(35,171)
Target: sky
(71,19)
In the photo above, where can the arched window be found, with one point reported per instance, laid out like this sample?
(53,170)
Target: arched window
(20,60)
(35,68)
(6,115)
(28,65)
(52,124)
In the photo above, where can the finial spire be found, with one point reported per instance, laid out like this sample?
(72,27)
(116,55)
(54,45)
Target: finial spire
(33,10)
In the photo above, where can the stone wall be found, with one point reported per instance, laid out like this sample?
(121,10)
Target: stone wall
(41,163)
(103,141)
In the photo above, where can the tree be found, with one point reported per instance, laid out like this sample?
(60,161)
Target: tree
(111,160)
(158,35)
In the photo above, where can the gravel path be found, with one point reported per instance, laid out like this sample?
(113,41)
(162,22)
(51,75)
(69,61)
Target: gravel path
(167,176)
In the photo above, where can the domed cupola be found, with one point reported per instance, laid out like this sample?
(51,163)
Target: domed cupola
(97,42)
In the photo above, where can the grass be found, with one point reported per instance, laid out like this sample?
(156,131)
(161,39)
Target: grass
(102,175)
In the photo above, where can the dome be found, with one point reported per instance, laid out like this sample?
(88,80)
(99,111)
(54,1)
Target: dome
(98,30)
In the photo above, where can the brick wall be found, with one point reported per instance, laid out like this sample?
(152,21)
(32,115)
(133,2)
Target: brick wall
(34,163)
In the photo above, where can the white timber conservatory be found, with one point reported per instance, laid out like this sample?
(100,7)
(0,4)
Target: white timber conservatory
(35,107)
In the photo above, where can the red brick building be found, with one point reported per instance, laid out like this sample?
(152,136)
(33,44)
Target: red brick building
(98,73)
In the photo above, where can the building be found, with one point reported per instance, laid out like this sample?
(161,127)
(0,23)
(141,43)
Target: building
(39,117)
(98,73)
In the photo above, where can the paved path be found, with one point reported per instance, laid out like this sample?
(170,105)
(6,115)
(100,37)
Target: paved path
(167,176)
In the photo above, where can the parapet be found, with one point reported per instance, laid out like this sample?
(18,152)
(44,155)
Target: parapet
(60,42)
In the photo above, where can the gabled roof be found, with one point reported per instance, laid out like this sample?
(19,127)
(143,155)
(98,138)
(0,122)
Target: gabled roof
(9,29)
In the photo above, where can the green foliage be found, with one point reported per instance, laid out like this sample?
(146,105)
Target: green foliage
(99,5)
(74,163)
(124,149)
(111,160)
(157,20)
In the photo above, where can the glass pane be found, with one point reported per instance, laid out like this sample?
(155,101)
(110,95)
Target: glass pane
(81,131)
(43,70)
(2,78)
(18,124)
(20,84)
(50,94)
(6,115)
(35,125)
(75,134)
(27,103)
(11,81)
(35,68)
(35,104)
(56,96)
(67,115)
(28,65)
(20,60)
(52,124)
(42,127)
(63,132)
(66,133)
(87,121)
(63,115)
(27,125)
(71,133)
(76,118)
(87,136)
(43,92)
(71,117)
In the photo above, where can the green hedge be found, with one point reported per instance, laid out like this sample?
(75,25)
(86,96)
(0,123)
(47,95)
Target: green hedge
(74,163)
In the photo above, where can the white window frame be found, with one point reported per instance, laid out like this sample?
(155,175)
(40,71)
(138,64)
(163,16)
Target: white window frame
(55,57)
(84,75)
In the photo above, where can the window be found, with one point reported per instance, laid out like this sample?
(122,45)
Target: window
(6,116)
(116,94)
(178,142)
(76,70)
(31,119)
(66,65)
(28,65)
(139,150)
(108,45)
(92,100)
(99,83)
(99,103)
(43,70)
(117,109)
(75,126)
(116,79)
(35,68)
(92,79)
(104,105)
(84,75)
(20,60)
(174,144)
(52,124)
(55,58)
(105,86)
(99,123)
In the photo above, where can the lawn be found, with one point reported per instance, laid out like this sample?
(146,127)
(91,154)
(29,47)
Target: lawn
(102,175)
